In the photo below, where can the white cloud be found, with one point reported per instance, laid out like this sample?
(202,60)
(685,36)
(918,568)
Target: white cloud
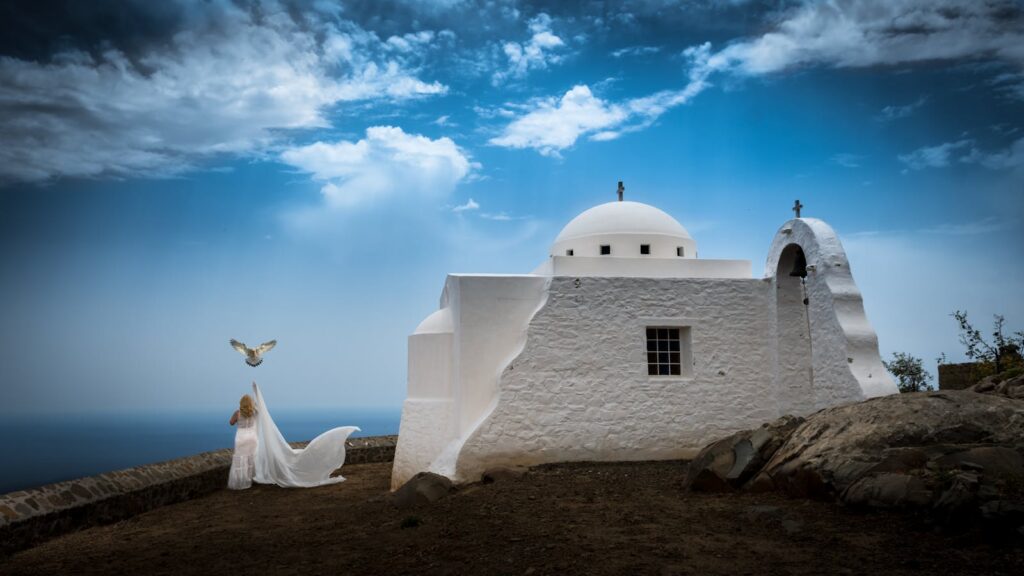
(554,124)
(861,33)
(386,163)
(978,227)
(896,112)
(502,217)
(635,51)
(938,156)
(873,32)
(535,54)
(965,151)
(847,160)
(1012,158)
(469,205)
(411,42)
(227,84)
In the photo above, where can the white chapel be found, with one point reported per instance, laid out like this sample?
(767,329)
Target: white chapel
(625,345)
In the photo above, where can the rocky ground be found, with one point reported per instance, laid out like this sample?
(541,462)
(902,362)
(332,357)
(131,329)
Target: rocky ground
(955,456)
(564,519)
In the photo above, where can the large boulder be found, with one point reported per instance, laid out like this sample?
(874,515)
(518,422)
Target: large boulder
(422,488)
(957,454)
(728,463)
(930,436)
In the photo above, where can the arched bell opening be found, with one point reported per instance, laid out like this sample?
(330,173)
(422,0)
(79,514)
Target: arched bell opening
(796,372)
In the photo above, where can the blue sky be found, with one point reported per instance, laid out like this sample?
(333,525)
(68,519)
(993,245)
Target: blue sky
(309,171)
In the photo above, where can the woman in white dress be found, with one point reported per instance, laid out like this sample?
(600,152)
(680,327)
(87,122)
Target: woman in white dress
(262,455)
(243,462)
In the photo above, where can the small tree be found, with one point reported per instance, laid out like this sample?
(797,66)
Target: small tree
(997,352)
(909,372)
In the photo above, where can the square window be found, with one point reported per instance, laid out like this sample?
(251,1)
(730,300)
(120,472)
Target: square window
(680,252)
(568,252)
(645,248)
(668,351)
(606,249)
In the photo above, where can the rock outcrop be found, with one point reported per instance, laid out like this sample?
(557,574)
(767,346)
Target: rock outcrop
(1010,387)
(730,462)
(958,454)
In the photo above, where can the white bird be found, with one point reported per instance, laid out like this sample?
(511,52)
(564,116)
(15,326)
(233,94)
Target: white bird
(253,356)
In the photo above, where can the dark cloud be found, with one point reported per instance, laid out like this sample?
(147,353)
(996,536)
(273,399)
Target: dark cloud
(35,30)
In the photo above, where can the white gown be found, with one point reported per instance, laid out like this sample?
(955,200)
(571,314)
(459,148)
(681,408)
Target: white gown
(278,463)
(243,461)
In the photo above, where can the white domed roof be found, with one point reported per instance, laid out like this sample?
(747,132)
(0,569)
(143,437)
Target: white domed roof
(614,218)
(440,322)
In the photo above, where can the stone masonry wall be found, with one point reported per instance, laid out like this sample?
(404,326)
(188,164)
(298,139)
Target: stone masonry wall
(28,517)
(960,376)
(580,390)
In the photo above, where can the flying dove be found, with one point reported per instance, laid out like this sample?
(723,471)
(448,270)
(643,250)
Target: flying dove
(253,356)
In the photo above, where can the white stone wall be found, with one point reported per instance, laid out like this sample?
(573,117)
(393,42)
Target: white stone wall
(646,267)
(427,427)
(793,339)
(624,245)
(580,390)
(491,318)
(553,368)
(430,366)
(845,359)
(453,377)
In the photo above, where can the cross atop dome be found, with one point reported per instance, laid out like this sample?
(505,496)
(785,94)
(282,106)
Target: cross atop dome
(621,190)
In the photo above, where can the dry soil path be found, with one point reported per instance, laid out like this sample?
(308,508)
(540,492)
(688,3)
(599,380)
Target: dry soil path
(567,519)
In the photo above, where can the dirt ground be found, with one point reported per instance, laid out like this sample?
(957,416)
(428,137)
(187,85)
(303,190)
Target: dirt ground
(565,519)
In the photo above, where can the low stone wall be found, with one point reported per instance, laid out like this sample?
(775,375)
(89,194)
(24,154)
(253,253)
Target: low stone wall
(961,376)
(28,517)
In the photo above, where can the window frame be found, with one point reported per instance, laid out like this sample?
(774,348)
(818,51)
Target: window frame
(686,364)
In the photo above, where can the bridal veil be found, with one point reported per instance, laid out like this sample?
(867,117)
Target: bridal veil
(278,463)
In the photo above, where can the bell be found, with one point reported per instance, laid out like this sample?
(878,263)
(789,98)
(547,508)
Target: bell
(799,265)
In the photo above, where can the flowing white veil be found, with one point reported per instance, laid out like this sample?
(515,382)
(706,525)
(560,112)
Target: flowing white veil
(278,463)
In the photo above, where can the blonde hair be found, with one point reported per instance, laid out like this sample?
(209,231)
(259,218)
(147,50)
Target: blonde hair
(246,409)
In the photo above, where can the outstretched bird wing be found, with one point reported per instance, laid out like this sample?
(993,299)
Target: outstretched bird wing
(240,347)
(265,346)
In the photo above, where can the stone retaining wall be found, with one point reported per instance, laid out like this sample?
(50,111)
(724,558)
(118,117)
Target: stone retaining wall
(28,517)
(961,376)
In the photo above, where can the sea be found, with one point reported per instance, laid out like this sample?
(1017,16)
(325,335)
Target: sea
(43,449)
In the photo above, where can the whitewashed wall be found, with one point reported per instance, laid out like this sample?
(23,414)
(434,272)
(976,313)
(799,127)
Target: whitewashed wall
(453,377)
(844,347)
(426,429)
(612,266)
(580,390)
(551,369)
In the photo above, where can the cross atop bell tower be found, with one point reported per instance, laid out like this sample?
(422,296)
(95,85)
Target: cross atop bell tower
(796,205)
(621,190)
